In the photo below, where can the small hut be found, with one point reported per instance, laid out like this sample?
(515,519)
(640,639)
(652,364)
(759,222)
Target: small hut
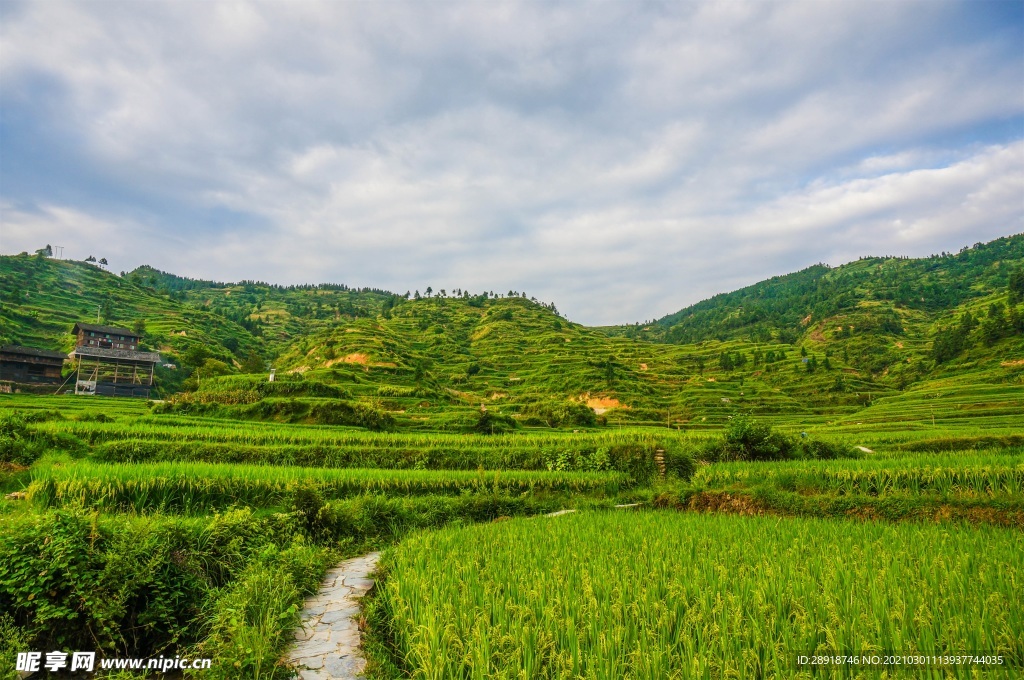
(28,365)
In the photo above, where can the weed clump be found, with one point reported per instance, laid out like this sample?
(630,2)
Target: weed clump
(746,439)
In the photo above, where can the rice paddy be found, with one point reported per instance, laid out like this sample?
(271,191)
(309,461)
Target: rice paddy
(935,570)
(190,487)
(668,595)
(982,474)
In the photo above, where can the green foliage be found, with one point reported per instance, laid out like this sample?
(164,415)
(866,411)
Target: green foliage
(748,439)
(489,422)
(784,303)
(978,476)
(560,414)
(12,641)
(679,463)
(199,487)
(343,413)
(249,625)
(23,445)
(1015,286)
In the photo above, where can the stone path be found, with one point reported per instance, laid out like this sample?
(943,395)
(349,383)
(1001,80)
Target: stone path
(327,645)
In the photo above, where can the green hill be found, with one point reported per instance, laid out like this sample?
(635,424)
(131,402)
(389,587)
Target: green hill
(823,345)
(43,298)
(880,294)
(277,314)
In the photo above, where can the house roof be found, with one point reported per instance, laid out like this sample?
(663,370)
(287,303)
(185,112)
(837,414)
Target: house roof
(112,330)
(32,352)
(130,355)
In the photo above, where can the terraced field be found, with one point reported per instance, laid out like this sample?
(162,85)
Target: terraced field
(191,487)
(664,595)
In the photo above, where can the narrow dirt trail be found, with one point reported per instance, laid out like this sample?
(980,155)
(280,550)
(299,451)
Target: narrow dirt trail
(327,645)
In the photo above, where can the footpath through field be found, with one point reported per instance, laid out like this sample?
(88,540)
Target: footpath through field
(327,645)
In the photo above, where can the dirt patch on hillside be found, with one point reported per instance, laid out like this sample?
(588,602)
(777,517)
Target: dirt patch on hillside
(817,335)
(602,404)
(1016,362)
(806,320)
(643,367)
(299,369)
(498,395)
(356,358)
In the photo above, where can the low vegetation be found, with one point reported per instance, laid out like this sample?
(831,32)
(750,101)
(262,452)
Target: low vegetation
(656,595)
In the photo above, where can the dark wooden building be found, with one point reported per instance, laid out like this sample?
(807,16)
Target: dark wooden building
(30,365)
(109,363)
(105,337)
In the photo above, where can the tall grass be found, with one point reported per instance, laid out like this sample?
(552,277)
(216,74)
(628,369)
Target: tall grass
(981,474)
(665,595)
(189,487)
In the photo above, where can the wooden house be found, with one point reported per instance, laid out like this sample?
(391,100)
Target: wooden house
(105,337)
(29,365)
(109,362)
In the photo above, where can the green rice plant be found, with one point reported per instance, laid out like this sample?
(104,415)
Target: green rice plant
(195,487)
(669,595)
(942,475)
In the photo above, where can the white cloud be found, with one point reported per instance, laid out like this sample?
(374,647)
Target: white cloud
(622,160)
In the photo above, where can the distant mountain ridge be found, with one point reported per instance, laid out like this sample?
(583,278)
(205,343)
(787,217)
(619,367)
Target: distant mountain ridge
(780,308)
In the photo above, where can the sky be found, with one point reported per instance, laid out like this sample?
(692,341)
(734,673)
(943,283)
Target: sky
(620,159)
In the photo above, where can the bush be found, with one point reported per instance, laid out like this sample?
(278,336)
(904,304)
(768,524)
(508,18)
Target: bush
(679,463)
(747,439)
(23,446)
(251,622)
(75,580)
(287,410)
(344,413)
(826,450)
(561,414)
(494,423)
(310,509)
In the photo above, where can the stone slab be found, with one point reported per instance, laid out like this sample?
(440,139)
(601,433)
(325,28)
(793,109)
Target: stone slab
(326,647)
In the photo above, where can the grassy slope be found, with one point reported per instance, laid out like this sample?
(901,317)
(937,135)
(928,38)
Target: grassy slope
(44,298)
(434,361)
(872,290)
(277,314)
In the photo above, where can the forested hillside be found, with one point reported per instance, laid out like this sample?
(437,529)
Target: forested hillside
(818,343)
(878,293)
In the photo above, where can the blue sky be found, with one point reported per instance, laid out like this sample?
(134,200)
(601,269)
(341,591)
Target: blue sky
(622,159)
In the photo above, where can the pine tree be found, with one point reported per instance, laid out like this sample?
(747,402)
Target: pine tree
(994,327)
(1015,287)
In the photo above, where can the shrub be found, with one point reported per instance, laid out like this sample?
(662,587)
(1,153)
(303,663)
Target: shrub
(561,414)
(827,450)
(21,445)
(494,423)
(344,413)
(747,439)
(679,463)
